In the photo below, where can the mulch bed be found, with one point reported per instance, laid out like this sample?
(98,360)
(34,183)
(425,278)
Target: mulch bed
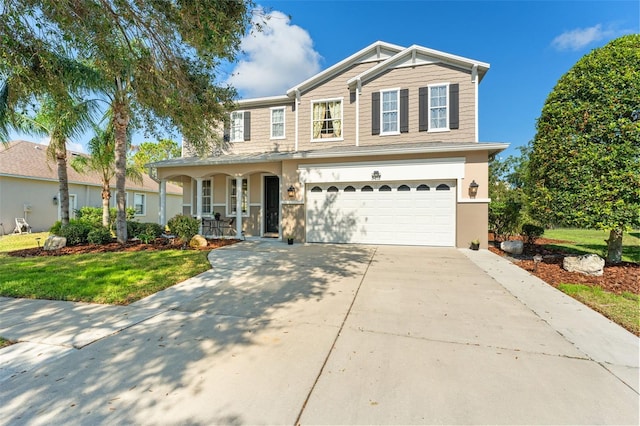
(130,246)
(617,278)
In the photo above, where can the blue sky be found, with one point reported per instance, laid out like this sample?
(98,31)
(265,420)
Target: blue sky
(529,44)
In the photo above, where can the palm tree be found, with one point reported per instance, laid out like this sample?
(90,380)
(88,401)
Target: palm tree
(60,119)
(102,160)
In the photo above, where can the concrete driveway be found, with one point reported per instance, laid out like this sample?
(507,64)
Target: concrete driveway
(323,334)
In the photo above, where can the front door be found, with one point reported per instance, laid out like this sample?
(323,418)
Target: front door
(271,204)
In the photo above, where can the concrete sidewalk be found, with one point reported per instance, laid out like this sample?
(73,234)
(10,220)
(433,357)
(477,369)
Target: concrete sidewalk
(324,334)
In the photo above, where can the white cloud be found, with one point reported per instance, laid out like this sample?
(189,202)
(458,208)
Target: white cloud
(581,37)
(276,58)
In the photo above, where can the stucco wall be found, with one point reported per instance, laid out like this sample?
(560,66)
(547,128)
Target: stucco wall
(16,192)
(472,219)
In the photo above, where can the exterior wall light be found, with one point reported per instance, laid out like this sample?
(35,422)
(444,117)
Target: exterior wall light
(55,200)
(291,191)
(376,175)
(473,189)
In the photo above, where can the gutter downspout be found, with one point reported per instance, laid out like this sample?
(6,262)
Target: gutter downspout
(297,101)
(474,79)
(358,90)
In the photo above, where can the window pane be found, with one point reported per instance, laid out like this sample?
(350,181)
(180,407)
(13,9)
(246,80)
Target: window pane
(237,126)
(385,188)
(442,187)
(389,111)
(327,119)
(404,188)
(349,189)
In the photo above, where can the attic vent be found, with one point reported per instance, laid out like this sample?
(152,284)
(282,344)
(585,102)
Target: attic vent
(37,147)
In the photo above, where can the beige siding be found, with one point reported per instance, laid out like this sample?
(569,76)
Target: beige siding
(413,79)
(261,131)
(334,88)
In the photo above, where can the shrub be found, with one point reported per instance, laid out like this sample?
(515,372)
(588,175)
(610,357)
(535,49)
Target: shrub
(99,235)
(503,218)
(75,232)
(531,232)
(93,215)
(150,229)
(183,226)
(55,229)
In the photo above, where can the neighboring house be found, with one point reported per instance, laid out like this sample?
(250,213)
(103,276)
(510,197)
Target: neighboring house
(29,189)
(381,148)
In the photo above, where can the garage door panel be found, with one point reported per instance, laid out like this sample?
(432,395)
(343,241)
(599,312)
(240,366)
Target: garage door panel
(382,217)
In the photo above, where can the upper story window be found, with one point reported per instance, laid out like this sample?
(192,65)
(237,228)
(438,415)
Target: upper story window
(438,108)
(389,110)
(239,128)
(277,123)
(326,120)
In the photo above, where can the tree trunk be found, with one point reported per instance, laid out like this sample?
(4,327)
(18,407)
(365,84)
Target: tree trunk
(63,180)
(121,121)
(106,196)
(614,246)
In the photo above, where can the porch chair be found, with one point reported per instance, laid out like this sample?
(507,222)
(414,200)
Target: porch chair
(22,227)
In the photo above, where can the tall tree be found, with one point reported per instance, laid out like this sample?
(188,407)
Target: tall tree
(101,160)
(584,168)
(149,152)
(160,57)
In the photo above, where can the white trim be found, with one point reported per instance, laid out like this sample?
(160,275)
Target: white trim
(425,169)
(397,131)
(284,122)
(228,211)
(241,112)
(297,132)
(316,101)
(144,203)
(448,106)
(263,101)
(475,79)
(358,91)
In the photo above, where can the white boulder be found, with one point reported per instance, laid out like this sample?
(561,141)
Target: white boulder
(54,242)
(198,241)
(588,264)
(513,247)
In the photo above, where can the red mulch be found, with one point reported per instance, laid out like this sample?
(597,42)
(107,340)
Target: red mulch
(130,246)
(617,278)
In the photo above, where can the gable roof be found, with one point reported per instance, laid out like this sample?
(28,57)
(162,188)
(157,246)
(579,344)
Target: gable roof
(418,55)
(29,160)
(378,51)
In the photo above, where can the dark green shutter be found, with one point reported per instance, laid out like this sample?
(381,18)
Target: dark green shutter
(423,109)
(454,106)
(247,125)
(375,113)
(404,110)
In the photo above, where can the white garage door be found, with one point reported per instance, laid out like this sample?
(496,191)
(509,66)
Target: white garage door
(413,213)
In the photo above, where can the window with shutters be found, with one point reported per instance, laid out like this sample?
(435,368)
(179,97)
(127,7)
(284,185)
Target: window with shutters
(326,120)
(390,112)
(236,131)
(438,108)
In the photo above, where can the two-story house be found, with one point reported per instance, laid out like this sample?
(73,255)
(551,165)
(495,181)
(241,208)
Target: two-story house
(380,148)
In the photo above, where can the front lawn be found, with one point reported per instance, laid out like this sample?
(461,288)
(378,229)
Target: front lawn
(4,342)
(583,241)
(619,308)
(13,242)
(113,278)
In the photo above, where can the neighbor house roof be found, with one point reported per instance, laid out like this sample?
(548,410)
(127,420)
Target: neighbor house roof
(29,160)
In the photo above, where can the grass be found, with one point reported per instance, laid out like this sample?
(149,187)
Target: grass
(584,241)
(621,309)
(13,242)
(4,342)
(113,278)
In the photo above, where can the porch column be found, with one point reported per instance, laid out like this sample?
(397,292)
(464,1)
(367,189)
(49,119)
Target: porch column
(199,203)
(238,206)
(163,202)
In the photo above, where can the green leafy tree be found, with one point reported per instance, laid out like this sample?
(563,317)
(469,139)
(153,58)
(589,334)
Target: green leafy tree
(101,160)
(148,152)
(584,168)
(159,58)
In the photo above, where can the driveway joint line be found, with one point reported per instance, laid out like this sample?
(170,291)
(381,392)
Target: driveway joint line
(335,340)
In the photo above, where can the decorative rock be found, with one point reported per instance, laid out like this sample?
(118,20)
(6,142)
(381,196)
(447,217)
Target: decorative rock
(513,247)
(588,264)
(198,241)
(54,242)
